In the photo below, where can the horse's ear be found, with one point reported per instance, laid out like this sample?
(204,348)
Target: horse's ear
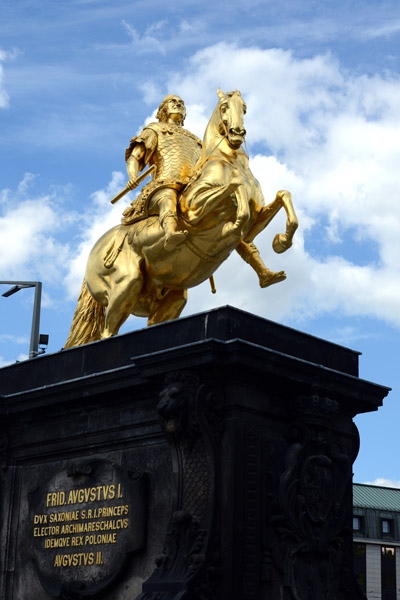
(220,94)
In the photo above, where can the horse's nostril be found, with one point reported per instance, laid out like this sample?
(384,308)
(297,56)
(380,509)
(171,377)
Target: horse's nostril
(237,131)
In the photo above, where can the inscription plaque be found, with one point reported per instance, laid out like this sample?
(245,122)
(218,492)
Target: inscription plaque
(83,522)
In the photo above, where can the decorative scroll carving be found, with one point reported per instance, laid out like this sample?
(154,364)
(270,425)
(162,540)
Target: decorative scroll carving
(309,521)
(190,416)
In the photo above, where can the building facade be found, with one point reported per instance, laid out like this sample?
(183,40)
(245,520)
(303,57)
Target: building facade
(376,538)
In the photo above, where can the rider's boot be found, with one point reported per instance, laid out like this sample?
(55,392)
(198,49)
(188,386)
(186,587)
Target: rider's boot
(172,237)
(250,254)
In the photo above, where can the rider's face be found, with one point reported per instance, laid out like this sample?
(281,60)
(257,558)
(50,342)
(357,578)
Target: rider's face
(176,109)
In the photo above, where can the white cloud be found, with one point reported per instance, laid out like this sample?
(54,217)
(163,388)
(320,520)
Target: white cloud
(14,339)
(335,139)
(334,136)
(4,363)
(25,183)
(4,56)
(32,225)
(100,217)
(386,29)
(381,481)
(29,229)
(149,41)
(349,334)
(4,98)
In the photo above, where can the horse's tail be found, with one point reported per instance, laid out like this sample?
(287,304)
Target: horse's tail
(88,321)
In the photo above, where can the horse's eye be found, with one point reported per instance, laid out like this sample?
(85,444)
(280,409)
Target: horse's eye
(224,108)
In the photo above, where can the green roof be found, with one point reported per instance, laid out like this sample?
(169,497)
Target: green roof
(374,496)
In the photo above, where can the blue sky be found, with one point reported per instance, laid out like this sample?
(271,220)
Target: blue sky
(321,79)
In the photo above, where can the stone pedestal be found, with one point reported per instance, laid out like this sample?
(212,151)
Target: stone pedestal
(205,458)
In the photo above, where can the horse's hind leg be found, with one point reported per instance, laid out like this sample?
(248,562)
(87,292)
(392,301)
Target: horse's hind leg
(169,307)
(121,303)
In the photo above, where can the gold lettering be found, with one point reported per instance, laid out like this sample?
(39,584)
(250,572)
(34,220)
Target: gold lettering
(82,527)
(46,531)
(38,519)
(57,561)
(57,543)
(55,499)
(72,496)
(77,541)
(85,495)
(72,515)
(101,538)
(74,560)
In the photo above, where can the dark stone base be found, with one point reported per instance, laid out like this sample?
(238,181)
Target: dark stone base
(205,458)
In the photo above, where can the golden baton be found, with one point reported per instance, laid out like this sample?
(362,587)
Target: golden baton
(137,182)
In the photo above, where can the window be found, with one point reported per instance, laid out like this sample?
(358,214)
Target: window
(388,553)
(357,523)
(359,564)
(388,572)
(386,526)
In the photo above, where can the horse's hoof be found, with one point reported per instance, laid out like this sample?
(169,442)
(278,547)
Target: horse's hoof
(174,239)
(269,278)
(281,243)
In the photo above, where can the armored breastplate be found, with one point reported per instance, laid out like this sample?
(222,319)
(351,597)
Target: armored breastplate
(176,153)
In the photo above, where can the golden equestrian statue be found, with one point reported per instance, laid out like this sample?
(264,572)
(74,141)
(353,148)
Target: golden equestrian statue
(202,203)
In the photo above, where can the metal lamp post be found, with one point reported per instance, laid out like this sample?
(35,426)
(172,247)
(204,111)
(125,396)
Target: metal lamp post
(19,285)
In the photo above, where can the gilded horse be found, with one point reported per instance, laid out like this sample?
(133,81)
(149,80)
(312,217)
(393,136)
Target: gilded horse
(221,209)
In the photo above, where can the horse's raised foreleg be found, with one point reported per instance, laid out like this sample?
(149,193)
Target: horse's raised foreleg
(267,213)
(251,255)
(283,241)
(169,307)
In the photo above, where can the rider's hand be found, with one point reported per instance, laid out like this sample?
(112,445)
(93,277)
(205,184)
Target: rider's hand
(132,183)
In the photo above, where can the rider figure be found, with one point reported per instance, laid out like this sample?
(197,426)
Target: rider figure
(174,151)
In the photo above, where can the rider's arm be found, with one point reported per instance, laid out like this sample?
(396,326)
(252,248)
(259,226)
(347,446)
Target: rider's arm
(140,152)
(133,162)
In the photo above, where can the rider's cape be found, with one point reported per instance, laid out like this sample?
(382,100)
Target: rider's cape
(174,151)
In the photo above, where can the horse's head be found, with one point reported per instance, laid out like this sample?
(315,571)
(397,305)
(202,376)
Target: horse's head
(232,109)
